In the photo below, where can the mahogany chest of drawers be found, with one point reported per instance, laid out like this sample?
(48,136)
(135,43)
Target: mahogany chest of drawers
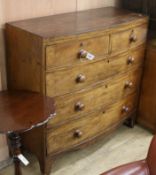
(90,62)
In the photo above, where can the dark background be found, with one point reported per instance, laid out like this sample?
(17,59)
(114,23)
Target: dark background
(143,6)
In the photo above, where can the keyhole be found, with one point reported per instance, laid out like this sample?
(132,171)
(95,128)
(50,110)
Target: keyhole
(106,86)
(103,112)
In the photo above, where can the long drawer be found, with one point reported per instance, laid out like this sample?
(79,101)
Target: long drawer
(74,105)
(59,82)
(69,53)
(78,131)
(124,40)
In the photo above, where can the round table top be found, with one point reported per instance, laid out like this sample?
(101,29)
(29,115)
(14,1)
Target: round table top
(21,110)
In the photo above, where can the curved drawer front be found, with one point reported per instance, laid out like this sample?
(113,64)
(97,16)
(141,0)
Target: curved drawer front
(70,53)
(64,81)
(121,41)
(74,105)
(78,131)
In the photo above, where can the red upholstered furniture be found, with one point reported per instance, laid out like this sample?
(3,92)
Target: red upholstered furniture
(142,167)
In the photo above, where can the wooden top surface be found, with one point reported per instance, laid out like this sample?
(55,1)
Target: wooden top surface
(21,111)
(77,22)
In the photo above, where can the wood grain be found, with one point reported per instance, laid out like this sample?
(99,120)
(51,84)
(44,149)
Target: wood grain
(43,57)
(24,70)
(62,81)
(68,53)
(147,109)
(95,97)
(139,32)
(79,23)
(63,138)
(19,111)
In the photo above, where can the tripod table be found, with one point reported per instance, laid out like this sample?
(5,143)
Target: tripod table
(21,111)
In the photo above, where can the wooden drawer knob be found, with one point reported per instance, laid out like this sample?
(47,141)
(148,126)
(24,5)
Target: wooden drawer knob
(80,78)
(125,109)
(78,133)
(83,54)
(81,44)
(87,55)
(79,106)
(128,84)
(131,60)
(133,37)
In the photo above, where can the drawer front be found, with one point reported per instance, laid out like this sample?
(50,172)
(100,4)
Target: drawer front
(127,39)
(68,80)
(74,105)
(78,131)
(70,53)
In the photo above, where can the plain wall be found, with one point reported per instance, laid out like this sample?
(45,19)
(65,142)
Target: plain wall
(12,10)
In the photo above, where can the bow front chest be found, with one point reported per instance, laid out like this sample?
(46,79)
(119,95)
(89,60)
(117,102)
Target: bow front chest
(90,62)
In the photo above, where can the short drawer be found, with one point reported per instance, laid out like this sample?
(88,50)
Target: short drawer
(74,105)
(74,52)
(81,130)
(64,81)
(127,39)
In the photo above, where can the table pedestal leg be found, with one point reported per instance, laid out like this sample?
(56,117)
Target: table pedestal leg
(15,145)
(17,166)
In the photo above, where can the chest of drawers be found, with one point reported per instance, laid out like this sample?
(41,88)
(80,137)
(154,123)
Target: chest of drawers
(90,62)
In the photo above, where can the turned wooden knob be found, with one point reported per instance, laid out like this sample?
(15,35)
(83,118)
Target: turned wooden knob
(79,106)
(125,109)
(81,44)
(133,37)
(82,54)
(78,133)
(131,60)
(128,84)
(80,78)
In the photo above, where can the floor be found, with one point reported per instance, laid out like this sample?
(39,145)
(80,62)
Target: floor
(124,146)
